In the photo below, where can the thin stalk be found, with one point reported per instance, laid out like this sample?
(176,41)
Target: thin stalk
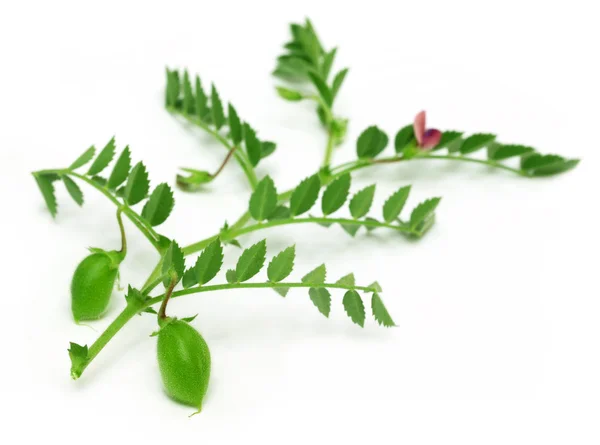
(224,163)
(131,310)
(167,296)
(345,221)
(240,157)
(122,230)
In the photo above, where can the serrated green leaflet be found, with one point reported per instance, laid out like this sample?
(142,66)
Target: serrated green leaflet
(85,157)
(371,228)
(305,195)
(321,299)
(263,201)
(404,138)
(103,159)
(395,203)
(189,278)
(354,307)
(73,190)
(375,287)
(347,280)
(46,186)
(253,145)
(137,185)
(173,87)
(371,142)
(281,265)
(201,100)
(327,64)
(235,125)
(338,80)
(380,313)
(209,262)
(361,202)
(173,264)
(267,148)
(280,212)
(283,291)
(321,87)
(291,95)
(230,276)
(188,94)
(476,142)
(448,140)
(545,165)
(316,276)
(501,152)
(335,194)
(423,211)
(120,170)
(251,261)
(158,208)
(218,117)
(350,229)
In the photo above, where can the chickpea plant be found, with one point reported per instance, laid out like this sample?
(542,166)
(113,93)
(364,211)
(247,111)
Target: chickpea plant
(306,72)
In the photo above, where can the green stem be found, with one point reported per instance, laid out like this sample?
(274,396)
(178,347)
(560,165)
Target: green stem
(131,310)
(240,157)
(122,230)
(360,164)
(345,221)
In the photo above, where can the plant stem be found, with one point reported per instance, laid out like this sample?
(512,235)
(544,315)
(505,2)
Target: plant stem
(224,163)
(163,307)
(240,157)
(359,164)
(122,229)
(345,221)
(131,310)
(328,149)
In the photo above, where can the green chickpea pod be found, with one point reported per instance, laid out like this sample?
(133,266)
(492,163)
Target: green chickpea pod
(94,280)
(183,359)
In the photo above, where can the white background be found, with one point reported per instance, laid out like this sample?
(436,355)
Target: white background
(497,306)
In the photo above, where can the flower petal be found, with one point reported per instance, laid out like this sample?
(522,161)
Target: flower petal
(419,126)
(430,139)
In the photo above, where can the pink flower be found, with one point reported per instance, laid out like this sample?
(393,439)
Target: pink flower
(426,138)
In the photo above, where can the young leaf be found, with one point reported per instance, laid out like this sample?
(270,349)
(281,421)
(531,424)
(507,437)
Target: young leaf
(46,186)
(267,148)
(395,203)
(263,201)
(73,189)
(338,80)
(476,142)
(235,126)
(85,157)
(281,265)
(347,280)
(280,212)
(283,291)
(158,208)
(137,185)
(336,194)
(327,63)
(218,117)
(120,170)
(201,108)
(375,287)
(230,276)
(209,262)
(449,140)
(404,138)
(371,142)
(423,211)
(188,94)
(321,299)
(354,307)
(380,313)
(350,229)
(253,145)
(251,261)
(291,95)
(321,87)
(189,278)
(194,180)
(134,297)
(500,152)
(316,276)
(361,202)
(173,263)
(103,158)
(305,195)
(79,357)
